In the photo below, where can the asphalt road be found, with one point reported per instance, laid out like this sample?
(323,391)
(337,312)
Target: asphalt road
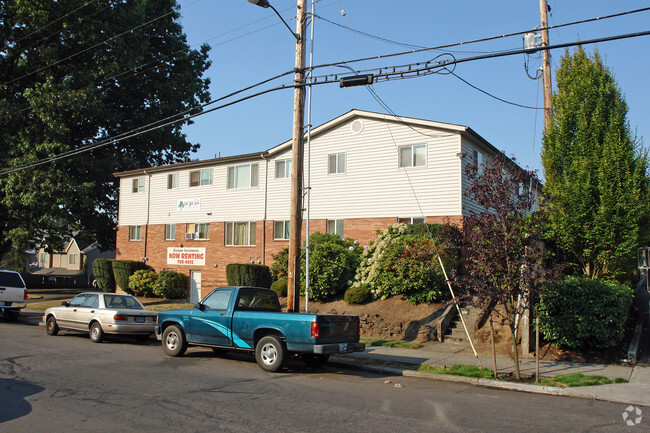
(68,383)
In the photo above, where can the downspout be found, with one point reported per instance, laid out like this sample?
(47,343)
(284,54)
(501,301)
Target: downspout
(266,198)
(146,227)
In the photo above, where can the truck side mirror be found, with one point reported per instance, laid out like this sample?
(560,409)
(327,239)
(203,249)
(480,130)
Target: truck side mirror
(200,306)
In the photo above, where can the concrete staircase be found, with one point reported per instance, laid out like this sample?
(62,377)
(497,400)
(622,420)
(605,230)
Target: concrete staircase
(472,316)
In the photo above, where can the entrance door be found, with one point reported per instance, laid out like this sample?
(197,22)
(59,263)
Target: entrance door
(195,286)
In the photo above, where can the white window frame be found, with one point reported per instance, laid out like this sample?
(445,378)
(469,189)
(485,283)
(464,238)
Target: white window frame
(73,259)
(411,220)
(138,185)
(135,233)
(337,163)
(251,235)
(412,159)
(234,174)
(199,231)
(283,169)
(170,232)
(205,177)
(283,228)
(477,159)
(172,181)
(336,227)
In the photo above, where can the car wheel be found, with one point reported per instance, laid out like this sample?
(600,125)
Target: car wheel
(271,353)
(96,333)
(174,343)
(51,326)
(314,360)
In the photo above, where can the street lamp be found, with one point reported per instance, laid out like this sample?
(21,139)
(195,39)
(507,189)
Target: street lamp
(295,222)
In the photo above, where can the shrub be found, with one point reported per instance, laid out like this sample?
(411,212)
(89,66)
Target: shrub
(142,282)
(280,265)
(248,274)
(280,287)
(583,313)
(357,295)
(103,272)
(170,285)
(123,269)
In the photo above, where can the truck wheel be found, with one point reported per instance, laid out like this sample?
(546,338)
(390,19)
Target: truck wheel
(271,353)
(314,360)
(51,327)
(173,339)
(96,333)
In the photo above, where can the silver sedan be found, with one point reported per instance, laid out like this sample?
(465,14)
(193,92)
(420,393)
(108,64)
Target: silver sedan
(99,313)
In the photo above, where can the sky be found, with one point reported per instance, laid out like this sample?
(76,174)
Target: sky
(250,44)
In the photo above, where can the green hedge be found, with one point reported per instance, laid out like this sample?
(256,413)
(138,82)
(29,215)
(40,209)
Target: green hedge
(357,295)
(280,287)
(103,272)
(248,274)
(170,285)
(123,269)
(582,313)
(142,282)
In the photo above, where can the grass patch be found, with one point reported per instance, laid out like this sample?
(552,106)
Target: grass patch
(171,306)
(460,370)
(150,304)
(398,344)
(578,379)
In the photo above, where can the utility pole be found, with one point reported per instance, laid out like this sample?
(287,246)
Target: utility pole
(297,150)
(546,67)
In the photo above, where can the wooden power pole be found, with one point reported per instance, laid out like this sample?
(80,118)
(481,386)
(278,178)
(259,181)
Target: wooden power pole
(297,150)
(546,67)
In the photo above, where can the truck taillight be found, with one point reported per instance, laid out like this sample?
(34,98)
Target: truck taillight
(26,296)
(315,330)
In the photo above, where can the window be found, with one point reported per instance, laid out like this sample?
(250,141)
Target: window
(413,156)
(92,301)
(281,230)
(411,220)
(218,300)
(138,184)
(242,176)
(197,231)
(201,177)
(477,159)
(336,163)
(73,259)
(283,169)
(335,227)
(135,233)
(170,232)
(240,234)
(172,181)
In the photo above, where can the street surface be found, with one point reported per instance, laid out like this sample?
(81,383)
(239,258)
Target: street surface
(68,383)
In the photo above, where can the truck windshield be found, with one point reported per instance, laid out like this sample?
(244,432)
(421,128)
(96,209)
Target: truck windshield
(257,300)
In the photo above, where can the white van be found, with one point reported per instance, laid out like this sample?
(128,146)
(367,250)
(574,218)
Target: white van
(12,290)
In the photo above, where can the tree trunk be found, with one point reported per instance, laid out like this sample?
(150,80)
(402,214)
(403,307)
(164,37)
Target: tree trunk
(515,350)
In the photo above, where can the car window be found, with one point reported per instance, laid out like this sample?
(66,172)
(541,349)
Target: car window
(218,300)
(77,301)
(122,301)
(259,300)
(92,301)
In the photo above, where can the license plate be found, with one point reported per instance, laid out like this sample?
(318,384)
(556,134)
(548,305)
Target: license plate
(343,347)
(140,319)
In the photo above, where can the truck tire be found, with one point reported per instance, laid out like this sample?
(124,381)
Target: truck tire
(173,341)
(314,360)
(51,327)
(96,332)
(271,353)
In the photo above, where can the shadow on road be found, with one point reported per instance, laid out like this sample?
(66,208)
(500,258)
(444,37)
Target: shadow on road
(12,398)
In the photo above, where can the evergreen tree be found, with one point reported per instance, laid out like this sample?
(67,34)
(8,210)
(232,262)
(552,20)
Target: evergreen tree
(596,171)
(74,72)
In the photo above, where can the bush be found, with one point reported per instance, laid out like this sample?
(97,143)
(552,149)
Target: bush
(123,269)
(582,313)
(142,282)
(248,274)
(103,272)
(170,285)
(280,287)
(357,295)
(280,265)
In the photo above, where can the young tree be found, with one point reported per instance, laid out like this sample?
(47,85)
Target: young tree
(502,245)
(74,72)
(596,172)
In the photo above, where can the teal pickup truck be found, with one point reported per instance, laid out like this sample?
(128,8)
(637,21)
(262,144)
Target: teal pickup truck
(250,319)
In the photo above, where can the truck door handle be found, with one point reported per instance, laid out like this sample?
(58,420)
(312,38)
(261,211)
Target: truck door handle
(222,314)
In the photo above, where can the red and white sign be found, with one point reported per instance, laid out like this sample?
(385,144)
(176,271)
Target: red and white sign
(186,256)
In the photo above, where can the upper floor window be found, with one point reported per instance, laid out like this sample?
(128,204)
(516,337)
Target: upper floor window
(135,233)
(411,220)
(477,159)
(138,184)
(283,169)
(336,163)
(201,177)
(240,233)
(243,176)
(170,232)
(197,231)
(73,259)
(413,156)
(335,227)
(281,230)
(172,181)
